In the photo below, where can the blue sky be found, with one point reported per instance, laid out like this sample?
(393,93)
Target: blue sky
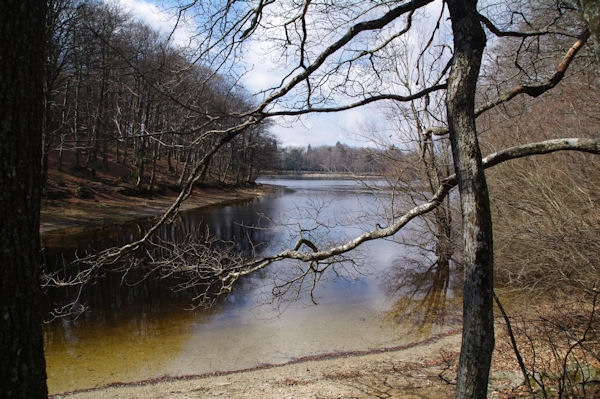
(349,127)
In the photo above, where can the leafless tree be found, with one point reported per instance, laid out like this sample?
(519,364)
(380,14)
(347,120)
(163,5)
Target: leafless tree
(334,53)
(115,84)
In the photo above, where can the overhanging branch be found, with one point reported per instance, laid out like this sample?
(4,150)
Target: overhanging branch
(520,151)
(360,103)
(226,277)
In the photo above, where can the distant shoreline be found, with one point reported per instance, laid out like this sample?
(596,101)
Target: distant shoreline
(320,176)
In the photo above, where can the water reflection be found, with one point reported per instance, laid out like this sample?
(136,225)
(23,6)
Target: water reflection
(425,294)
(139,331)
(114,288)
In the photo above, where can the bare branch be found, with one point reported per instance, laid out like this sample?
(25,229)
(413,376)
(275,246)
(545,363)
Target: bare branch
(180,14)
(537,90)
(389,40)
(490,25)
(256,18)
(352,32)
(513,342)
(543,147)
(360,103)
(112,255)
(530,90)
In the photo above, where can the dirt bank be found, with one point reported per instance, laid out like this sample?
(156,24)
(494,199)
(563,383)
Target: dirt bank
(106,207)
(106,193)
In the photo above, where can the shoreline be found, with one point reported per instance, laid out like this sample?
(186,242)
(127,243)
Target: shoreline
(119,208)
(320,176)
(336,366)
(111,206)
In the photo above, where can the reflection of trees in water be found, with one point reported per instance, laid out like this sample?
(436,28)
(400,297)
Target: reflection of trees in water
(137,280)
(224,223)
(423,283)
(423,293)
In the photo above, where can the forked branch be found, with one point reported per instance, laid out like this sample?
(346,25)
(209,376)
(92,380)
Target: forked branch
(210,274)
(543,147)
(530,90)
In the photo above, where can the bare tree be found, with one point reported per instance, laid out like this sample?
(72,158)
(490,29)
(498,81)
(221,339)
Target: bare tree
(328,75)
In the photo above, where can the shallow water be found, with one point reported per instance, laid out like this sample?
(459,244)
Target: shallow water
(145,331)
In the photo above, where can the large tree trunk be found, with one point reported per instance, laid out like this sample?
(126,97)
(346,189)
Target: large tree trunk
(22,366)
(47,125)
(478,323)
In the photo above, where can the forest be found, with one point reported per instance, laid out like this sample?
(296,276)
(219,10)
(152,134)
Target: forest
(492,143)
(118,93)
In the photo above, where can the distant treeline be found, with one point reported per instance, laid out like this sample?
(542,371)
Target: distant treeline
(337,158)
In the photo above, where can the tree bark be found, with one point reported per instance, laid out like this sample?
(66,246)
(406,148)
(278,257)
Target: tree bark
(590,14)
(155,153)
(478,323)
(22,366)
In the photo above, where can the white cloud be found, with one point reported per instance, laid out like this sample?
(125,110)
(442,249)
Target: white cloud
(160,20)
(264,71)
(348,127)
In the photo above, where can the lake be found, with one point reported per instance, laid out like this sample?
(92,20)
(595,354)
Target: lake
(387,294)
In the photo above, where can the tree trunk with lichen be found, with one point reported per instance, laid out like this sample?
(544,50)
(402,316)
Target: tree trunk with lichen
(478,323)
(590,14)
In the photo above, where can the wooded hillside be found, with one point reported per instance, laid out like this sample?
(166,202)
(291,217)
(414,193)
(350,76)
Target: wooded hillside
(119,95)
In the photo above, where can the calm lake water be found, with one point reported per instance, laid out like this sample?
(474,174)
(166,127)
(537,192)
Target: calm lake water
(390,295)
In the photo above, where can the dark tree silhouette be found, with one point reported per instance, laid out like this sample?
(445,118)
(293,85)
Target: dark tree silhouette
(22,369)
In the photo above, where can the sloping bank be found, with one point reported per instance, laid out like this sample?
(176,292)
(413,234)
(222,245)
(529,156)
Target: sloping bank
(112,207)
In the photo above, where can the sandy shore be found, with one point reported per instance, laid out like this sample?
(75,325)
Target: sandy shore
(418,370)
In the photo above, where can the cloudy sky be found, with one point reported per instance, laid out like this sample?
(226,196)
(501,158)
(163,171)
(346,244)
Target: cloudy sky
(350,127)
